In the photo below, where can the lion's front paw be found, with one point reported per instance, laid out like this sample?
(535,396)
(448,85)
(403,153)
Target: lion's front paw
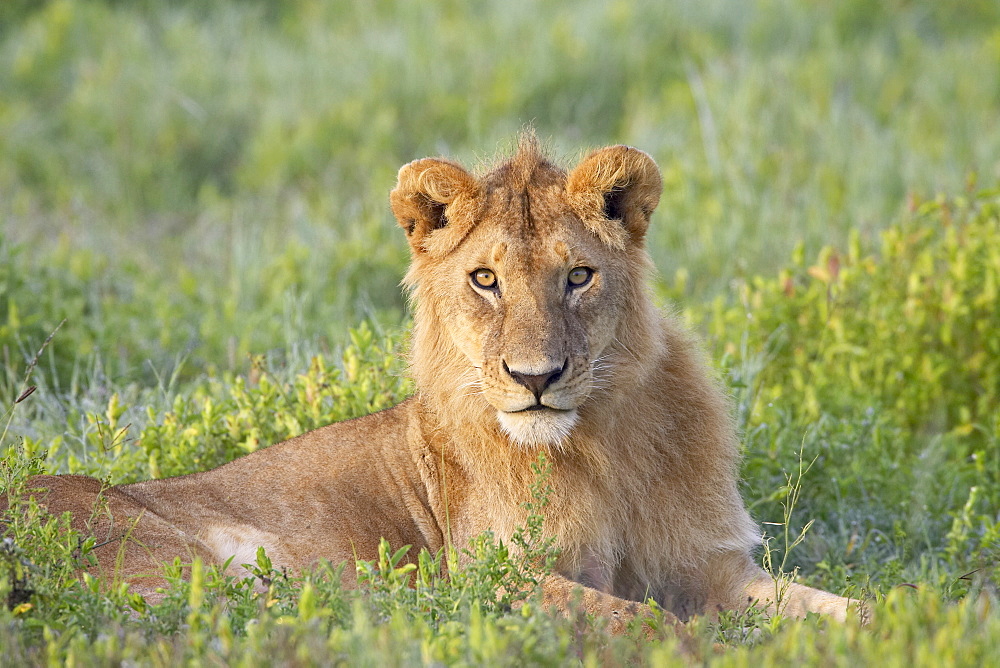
(622,617)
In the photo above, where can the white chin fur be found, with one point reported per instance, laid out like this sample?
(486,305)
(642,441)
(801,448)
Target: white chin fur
(537,428)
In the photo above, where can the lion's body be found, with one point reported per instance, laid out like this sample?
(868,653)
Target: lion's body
(643,455)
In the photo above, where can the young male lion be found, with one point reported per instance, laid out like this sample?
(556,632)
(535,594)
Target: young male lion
(533,332)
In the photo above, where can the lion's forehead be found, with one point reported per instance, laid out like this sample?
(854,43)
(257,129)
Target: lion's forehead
(531,230)
(535,254)
(536,209)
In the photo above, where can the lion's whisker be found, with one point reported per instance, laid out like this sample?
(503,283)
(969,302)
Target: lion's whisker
(626,349)
(472,394)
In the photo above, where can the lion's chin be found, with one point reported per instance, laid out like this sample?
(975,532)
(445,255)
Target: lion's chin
(539,428)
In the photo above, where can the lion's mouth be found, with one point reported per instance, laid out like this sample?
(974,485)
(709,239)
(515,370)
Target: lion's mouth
(540,407)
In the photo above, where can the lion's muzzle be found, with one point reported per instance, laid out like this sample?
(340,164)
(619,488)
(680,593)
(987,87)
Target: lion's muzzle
(536,383)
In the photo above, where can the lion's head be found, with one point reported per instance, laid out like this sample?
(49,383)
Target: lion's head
(524,277)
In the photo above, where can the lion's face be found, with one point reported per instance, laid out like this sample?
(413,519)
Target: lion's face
(532,313)
(525,272)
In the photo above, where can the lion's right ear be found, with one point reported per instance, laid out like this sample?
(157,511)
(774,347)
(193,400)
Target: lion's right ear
(423,197)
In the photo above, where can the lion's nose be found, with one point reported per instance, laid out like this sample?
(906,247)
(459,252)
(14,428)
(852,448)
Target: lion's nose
(535,382)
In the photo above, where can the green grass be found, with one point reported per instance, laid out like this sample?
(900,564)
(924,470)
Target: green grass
(198,192)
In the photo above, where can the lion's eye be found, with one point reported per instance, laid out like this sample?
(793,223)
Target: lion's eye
(580,276)
(484,278)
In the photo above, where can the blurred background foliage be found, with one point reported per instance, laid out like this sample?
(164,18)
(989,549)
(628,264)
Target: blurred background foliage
(197,191)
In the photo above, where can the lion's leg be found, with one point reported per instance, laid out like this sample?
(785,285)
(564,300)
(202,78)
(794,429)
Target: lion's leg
(736,581)
(795,600)
(566,595)
(131,542)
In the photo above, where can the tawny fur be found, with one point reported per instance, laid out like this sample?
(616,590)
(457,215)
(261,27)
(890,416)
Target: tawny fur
(643,452)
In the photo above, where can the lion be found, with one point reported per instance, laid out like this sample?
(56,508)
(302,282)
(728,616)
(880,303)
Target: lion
(533,333)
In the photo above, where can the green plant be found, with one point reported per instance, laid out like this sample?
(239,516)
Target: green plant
(486,575)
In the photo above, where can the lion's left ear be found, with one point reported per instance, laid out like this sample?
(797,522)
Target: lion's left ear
(615,190)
